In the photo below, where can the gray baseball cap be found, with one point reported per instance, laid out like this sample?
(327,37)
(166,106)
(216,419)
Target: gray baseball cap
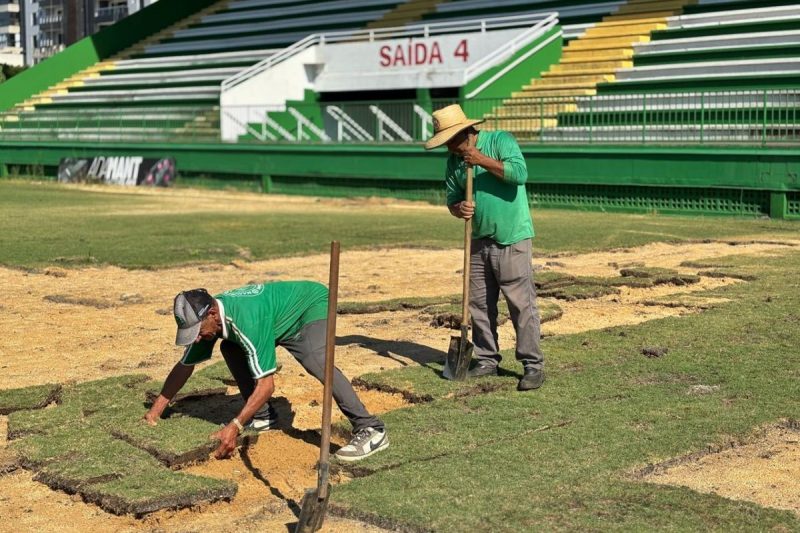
(190,308)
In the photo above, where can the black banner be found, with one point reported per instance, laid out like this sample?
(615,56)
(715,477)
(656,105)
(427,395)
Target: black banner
(117,170)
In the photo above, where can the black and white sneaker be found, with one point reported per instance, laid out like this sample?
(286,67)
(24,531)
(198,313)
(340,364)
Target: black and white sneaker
(265,419)
(363,444)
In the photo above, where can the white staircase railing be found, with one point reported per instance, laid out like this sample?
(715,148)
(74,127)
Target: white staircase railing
(386,120)
(505,52)
(347,128)
(277,127)
(426,119)
(303,121)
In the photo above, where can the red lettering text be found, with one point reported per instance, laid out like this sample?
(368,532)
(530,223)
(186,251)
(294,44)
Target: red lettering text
(386,59)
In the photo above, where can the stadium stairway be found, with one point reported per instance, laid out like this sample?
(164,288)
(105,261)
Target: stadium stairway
(711,76)
(591,58)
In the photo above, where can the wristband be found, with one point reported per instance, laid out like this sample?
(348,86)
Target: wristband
(238,424)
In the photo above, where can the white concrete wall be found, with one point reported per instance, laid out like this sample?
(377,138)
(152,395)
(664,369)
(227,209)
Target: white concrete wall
(270,89)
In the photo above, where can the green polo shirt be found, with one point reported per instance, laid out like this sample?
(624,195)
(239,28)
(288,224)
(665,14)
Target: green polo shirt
(259,317)
(501,205)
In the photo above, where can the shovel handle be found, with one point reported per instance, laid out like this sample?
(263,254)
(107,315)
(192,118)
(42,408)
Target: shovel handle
(467,242)
(330,347)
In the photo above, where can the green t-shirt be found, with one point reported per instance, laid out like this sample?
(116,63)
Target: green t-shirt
(501,206)
(259,317)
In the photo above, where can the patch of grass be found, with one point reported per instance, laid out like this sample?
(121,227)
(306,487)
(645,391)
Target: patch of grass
(174,441)
(199,385)
(155,489)
(744,276)
(660,276)
(579,292)
(42,421)
(102,460)
(34,397)
(605,411)
(395,304)
(96,439)
(548,279)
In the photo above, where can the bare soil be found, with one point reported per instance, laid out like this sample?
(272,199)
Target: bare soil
(764,472)
(112,321)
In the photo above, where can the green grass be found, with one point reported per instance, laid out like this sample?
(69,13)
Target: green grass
(473,456)
(95,443)
(34,397)
(563,457)
(151,490)
(47,223)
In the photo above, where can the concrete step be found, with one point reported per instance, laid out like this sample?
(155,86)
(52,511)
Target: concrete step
(620,30)
(605,43)
(533,110)
(593,67)
(631,17)
(584,56)
(552,93)
(568,81)
(517,124)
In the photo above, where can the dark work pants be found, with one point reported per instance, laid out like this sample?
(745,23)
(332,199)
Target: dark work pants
(308,347)
(496,268)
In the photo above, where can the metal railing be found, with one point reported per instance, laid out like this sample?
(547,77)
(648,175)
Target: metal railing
(747,117)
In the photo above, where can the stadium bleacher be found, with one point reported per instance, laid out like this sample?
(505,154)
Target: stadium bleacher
(169,84)
(630,71)
(712,75)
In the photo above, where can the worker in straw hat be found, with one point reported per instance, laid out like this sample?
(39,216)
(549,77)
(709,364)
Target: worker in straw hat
(502,229)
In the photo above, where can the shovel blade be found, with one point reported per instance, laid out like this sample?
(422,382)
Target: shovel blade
(312,511)
(458,357)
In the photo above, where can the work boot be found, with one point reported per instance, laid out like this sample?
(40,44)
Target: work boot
(363,444)
(533,379)
(480,370)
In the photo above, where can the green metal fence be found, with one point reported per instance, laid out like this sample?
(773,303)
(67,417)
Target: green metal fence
(750,118)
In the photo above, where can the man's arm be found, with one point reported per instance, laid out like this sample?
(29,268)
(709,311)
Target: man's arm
(175,381)
(227,435)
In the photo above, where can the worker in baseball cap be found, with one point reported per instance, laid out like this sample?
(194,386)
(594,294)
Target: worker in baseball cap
(251,321)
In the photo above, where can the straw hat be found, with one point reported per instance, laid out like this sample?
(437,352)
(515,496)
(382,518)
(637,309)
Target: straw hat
(447,123)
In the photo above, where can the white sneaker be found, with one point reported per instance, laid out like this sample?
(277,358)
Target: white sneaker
(265,419)
(363,444)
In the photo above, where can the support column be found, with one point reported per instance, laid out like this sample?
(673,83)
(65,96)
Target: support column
(778,205)
(266,183)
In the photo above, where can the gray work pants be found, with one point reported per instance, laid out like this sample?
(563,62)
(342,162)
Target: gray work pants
(495,268)
(308,347)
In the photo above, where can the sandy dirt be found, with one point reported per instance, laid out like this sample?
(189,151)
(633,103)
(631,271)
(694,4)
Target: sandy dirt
(764,472)
(114,321)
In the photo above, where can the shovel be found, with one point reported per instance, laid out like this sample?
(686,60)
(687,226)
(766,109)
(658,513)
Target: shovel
(460,351)
(315,501)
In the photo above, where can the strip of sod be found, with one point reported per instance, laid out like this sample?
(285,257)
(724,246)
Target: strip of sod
(34,397)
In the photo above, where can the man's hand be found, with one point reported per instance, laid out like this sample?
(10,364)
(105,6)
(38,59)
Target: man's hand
(227,441)
(463,210)
(472,156)
(151,417)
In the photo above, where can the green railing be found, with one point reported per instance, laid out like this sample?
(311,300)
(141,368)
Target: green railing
(750,118)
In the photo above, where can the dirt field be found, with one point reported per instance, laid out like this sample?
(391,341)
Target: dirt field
(120,322)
